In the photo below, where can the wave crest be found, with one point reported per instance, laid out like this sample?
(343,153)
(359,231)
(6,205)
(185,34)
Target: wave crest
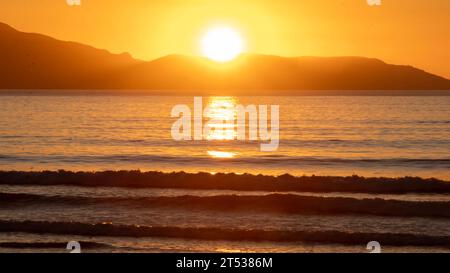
(109,229)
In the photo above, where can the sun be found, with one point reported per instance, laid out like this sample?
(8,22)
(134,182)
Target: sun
(222,44)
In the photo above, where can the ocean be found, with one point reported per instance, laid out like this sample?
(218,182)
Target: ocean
(368,136)
(323,136)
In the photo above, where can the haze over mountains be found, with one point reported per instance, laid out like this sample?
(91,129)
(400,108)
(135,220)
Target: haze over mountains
(34,61)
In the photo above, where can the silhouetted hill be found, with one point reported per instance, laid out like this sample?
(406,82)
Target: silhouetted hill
(34,61)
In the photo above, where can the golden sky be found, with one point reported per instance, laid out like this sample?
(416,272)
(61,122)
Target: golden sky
(414,32)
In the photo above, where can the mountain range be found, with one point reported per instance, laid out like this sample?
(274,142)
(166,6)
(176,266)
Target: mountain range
(36,62)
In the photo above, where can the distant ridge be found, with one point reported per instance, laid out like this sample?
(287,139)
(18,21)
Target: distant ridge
(35,62)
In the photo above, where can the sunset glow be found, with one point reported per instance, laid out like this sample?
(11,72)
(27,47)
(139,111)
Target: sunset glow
(222,44)
(284,28)
(260,127)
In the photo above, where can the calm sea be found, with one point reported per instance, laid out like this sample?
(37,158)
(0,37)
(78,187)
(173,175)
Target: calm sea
(369,136)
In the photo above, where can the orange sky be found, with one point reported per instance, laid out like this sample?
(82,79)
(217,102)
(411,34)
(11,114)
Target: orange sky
(415,32)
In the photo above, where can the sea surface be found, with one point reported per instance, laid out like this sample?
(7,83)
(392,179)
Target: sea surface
(368,136)
(336,136)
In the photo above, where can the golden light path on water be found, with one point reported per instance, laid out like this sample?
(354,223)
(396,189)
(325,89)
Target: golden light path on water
(221,125)
(219,154)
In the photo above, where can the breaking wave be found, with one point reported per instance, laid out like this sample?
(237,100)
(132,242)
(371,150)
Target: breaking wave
(274,203)
(112,230)
(229,181)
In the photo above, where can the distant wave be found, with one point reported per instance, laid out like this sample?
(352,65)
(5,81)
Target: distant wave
(332,237)
(432,121)
(49,245)
(275,203)
(202,160)
(231,181)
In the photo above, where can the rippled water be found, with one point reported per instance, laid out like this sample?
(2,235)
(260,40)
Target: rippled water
(116,213)
(371,136)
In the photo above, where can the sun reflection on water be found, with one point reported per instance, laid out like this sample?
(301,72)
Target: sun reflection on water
(221,125)
(219,154)
(221,113)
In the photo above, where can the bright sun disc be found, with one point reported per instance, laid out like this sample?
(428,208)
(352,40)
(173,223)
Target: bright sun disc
(222,44)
